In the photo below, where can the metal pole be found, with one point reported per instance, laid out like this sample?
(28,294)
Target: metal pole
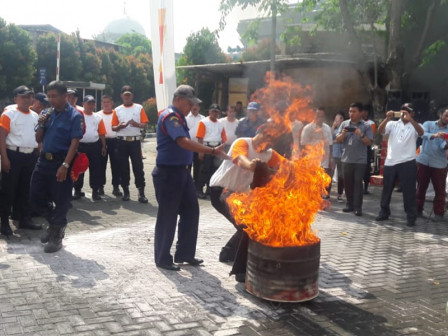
(58,56)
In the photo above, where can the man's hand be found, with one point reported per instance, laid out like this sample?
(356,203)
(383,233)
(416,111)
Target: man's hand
(201,156)
(103,151)
(132,122)
(389,114)
(61,174)
(6,164)
(253,164)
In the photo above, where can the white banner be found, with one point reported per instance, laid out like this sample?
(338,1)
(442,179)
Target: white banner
(162,40)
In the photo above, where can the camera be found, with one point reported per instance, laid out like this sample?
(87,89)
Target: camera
(398,114)
(350,128)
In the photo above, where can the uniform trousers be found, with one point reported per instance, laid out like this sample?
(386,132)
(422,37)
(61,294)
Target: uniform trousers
(196,171)
(406,172)
(218,199)
(111,144)
(353,176)
(208,167)
(45,189)
(438,178)
(176,196)
(93,152)
(340,175)
(16,184)
(367,172)
(132,150)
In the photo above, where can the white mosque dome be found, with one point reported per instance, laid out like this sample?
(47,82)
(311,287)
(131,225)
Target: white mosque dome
(116,28)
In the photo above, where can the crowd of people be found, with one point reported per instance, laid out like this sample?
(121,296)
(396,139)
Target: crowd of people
(43,138)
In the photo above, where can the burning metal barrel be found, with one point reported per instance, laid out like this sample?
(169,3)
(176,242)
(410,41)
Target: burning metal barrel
(284,274)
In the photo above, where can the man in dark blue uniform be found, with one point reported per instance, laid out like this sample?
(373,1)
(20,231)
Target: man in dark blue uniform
(59,130)
(173,184)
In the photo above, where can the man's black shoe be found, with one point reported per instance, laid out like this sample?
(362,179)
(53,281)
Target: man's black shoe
(224,256)
(101,191)
(116,191)
(126,196)
(410,223)
(240,277)
(78,194)
(358,213)
(141,196)
(169,267)
(201,195)
(381,218)
(96,195)
(347,210)
(27,223)
(5,228)
(191,261)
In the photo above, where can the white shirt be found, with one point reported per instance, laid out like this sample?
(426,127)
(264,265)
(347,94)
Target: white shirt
(192,123)
(107,119)
(213,130)
(92,128)
(126,113)
(313,134)
(20,127)
(402,143)
(231,176)
(230,127)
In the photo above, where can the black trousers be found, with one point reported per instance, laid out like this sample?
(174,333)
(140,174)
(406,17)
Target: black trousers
(176,196)
(208,167)
(407,173)
(93,152)
(367,172)
(16,184)
(218,199)
(196,171)
(353,175)
(132,150)
(45,189)
(111,144)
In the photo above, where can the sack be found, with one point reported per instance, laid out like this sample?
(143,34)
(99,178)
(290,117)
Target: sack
(79,166)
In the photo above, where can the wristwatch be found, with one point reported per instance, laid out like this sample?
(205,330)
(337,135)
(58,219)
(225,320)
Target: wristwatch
(66,165)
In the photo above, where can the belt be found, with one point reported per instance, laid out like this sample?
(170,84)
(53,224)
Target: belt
(25,150)
(183,167)
(212,144)
(53,156)
(129,138)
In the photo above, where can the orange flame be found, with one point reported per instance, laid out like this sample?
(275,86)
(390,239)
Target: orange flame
(281,212)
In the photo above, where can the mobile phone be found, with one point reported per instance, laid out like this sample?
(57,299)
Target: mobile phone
(397,114)
(350,128)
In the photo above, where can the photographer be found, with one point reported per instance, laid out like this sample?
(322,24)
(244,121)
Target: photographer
(354,135)
(400,160)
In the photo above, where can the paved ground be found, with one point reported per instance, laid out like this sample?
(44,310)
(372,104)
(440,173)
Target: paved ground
(375,278)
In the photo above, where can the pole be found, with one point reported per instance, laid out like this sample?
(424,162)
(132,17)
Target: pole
(58,57)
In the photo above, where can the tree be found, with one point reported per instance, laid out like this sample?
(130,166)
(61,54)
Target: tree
(135,44)
(17,58)
(201,48)
(405,21)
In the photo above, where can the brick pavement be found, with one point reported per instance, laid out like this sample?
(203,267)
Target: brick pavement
(375,278)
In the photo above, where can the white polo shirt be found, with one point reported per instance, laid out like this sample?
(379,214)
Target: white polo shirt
(107,119)
(230,128)
(20,127)
(402,143)
(126,113)
(313,134)
(192,123)
(94,128)
(211,131)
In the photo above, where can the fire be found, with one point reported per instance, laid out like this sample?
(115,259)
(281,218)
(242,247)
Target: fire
(281,212)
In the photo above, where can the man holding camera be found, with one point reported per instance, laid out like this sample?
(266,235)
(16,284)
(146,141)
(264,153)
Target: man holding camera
(354,135)
(400,160)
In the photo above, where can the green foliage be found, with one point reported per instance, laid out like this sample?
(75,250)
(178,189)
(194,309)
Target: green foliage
(135,44)
(201,48)
(150,107)
(432,51)
(251,33)
(17,58)
(260,51)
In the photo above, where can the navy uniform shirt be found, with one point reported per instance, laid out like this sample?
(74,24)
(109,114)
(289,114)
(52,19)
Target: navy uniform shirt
(171,126)
(60,129)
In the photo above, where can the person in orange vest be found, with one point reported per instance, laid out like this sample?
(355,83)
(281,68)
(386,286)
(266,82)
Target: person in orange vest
(93,144)
(18,149)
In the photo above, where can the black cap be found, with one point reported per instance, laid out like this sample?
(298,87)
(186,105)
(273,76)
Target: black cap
(72,92)
(126,89)
(88,99)
(214,107)
(186,91)
(22,90)
(407,107)
(42,98)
